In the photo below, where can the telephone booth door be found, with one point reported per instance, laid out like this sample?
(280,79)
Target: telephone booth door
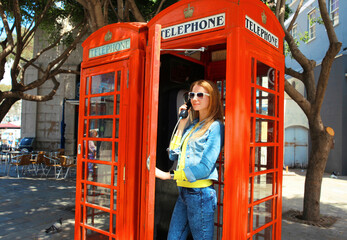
(101,166)
(107,183)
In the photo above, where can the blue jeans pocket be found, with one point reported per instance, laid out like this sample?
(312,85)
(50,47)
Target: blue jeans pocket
(194,191)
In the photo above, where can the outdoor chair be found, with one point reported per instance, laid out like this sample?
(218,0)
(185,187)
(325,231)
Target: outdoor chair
(50,163)
(40,163)
(20,160)
(67,163)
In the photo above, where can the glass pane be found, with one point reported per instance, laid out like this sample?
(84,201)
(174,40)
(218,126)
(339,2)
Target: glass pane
(114,200)
(115,175)
(100,128)
(87,86)
(250,160)
(117,104)
(83,170)
(262,214)
(264,158)
(249,220)
(116,151)
(264,129)
(252,100)
(86,107)
(252,70)
(99,196)
(265,234)
(117,128)
(85,128)
(263,186)
(250,190)
(119,77)
(98,219)
(114,223)
(82,192)
(252,130)
(102,83)
(92,235)
(265,103)
(100,173)
(100,150)
(82,212)
(101,106)
(265,76)
(84,149)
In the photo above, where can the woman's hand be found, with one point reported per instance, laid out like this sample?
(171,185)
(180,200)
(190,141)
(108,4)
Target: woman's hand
(183,121)
(162,175)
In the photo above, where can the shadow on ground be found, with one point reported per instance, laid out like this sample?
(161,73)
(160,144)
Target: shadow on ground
(28,206)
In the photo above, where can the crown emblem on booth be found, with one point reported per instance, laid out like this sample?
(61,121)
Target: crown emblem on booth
(188,12)
(108,36)
(263,17)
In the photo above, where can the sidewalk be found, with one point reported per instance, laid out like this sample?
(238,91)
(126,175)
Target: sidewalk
(333,203)
(30,205)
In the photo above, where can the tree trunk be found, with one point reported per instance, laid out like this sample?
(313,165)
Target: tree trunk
(322,140)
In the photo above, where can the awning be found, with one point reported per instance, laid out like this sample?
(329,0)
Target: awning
(8,126)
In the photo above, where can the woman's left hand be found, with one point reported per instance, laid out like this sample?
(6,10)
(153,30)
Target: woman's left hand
(162,175)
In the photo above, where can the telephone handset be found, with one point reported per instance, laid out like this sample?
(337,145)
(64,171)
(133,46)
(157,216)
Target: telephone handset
(184,113)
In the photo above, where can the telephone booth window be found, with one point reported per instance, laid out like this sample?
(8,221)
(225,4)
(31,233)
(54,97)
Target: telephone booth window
(263,187)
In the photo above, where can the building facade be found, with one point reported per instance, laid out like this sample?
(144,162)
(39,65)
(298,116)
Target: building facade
(313,41)
(45,120)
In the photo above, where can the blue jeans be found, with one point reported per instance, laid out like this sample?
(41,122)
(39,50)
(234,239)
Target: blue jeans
(194,212)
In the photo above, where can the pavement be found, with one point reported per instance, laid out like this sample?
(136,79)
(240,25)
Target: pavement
(29,205)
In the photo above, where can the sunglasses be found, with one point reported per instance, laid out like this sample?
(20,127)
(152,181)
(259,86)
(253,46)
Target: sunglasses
(198,94)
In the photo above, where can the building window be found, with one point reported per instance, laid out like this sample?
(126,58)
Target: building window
(334,11)
(295,31)
(312,18)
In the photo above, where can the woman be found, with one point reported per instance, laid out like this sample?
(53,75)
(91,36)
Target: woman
(196,148)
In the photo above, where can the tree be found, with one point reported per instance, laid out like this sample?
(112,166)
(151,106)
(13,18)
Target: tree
(21,20)
(102,12)
(321,135)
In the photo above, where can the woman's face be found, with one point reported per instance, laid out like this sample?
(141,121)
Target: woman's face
(200,104)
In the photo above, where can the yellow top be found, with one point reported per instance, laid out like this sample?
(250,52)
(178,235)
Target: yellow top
(180,176)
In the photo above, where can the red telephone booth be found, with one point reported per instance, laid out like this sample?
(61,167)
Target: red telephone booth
(133,78)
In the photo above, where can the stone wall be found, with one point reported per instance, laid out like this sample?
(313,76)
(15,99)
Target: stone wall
(42,120)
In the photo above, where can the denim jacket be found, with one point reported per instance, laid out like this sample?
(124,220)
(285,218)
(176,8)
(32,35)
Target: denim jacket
(201,153)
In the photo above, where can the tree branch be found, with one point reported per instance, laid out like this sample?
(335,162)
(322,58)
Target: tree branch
(295,74)
(334,48)
(37,21)
(19,44)
(160,6)
(6,26)
(298,98)
(136,12)
(295,16)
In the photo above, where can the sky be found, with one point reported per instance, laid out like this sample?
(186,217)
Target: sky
(7,78)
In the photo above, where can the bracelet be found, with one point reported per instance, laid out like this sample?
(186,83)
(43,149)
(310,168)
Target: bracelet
(172,174)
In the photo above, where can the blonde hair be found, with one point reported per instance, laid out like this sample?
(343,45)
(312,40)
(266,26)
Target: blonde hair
(215,108)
